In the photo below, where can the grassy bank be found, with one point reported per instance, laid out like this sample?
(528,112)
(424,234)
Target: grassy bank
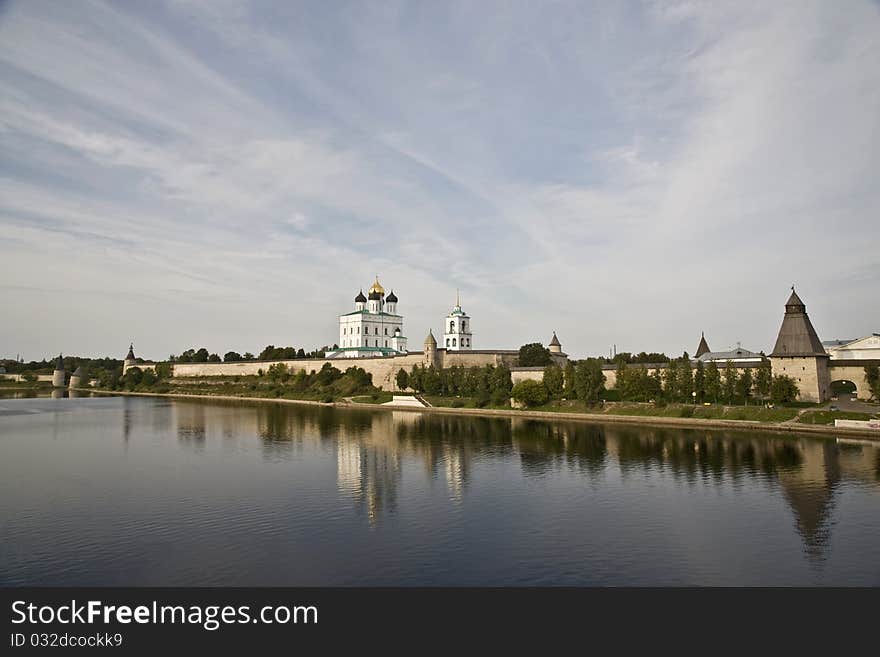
(828,417)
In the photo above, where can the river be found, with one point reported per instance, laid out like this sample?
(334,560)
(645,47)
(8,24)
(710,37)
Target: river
(154,491)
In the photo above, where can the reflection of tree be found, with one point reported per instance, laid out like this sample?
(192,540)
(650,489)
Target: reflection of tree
(191,421)
(371,445)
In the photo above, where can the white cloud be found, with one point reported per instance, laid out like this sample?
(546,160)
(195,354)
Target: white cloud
(618,176)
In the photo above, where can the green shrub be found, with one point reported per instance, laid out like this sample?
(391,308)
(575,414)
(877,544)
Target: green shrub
(530,393)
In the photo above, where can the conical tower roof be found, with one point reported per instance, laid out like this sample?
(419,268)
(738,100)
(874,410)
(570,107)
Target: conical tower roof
(554,342)
(80,371)
(703,347)
(797,337)
(430,341)
(130,355)
(59,364)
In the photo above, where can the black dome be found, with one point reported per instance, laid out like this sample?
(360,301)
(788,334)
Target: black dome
(360,298)
(391,297)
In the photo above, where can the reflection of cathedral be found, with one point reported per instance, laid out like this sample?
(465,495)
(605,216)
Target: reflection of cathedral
(369,474)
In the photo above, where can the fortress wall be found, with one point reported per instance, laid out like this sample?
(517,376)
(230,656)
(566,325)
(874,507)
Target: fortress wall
(383,370)
(526,375)
(611,373)
(810,374)
(837,371)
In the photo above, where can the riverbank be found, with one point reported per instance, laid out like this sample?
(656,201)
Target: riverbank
(594,418)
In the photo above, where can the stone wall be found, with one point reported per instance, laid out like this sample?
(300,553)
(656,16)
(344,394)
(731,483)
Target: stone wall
(383,369)
(852,371)
(810,373)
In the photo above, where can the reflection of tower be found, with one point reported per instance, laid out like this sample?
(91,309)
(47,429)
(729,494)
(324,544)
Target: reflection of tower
(126,419)
(369,472)
(457,467)
(809,490)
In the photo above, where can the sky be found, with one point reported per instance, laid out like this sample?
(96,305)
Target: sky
(229,174)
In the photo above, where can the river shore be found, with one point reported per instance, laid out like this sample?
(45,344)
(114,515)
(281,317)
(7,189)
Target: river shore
(595,418)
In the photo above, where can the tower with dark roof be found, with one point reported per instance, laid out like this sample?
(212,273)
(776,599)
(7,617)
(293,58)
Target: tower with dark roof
(799,353)
(58,375)
(703,347)
(430,350)
(555,346)
(130,360)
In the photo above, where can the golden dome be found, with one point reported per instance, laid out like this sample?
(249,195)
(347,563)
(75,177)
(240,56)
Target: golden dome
(377,287)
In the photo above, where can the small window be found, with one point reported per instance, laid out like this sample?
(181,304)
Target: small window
(453,342)
(447,342)
(386,330)
(452,327)
(376,330)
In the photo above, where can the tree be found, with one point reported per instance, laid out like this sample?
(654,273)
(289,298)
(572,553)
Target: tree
(713,382)
(500,384)
(164,370)
(201,356)
(872,374)
(231,357)
(569,381)
(589,382)
(534,354)
(402,379)
(554,381)
(133,377)
(730,377)
(530,393)
(214,358)
(29,377)
(670,380)
(783,389)
(763,378)
(685,379)
(148,378)
(744,385)
(248,356)
(700,382)
(326,375)
(431,381)
(278,371)
(300,353)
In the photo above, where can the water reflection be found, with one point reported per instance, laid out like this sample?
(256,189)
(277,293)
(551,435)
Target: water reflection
(370,448)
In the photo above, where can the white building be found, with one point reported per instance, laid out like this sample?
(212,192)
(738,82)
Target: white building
(373,329)
(457,334)
(867,348)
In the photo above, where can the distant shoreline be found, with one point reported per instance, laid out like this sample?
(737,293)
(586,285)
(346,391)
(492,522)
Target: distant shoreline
(592,418)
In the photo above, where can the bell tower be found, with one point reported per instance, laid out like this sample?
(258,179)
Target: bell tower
(457,334)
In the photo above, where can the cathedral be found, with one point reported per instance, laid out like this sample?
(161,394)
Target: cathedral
(373,328)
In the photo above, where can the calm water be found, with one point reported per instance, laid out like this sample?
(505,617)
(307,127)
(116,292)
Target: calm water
(114,491)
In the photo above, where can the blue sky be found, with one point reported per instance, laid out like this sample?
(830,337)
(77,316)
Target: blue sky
(229,174)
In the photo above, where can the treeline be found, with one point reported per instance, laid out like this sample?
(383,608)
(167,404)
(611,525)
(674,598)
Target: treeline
(92,366)
(271,352)
(641,357)
(485,384)
(277,380)
(582,380)
(682,381)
